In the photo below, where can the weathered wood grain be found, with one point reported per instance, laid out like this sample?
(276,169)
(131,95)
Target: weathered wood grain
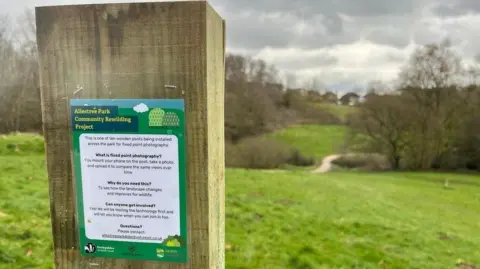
(133,51)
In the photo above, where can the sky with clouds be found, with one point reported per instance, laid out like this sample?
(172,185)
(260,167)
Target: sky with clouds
(341,42)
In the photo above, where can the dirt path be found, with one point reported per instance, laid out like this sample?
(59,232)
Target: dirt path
(326,164)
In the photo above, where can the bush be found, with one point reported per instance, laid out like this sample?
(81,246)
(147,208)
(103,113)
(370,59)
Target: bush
(263,153)
(367,162)
(297,159)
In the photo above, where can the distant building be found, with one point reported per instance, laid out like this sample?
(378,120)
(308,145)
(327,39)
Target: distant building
(350,99)
(330,97)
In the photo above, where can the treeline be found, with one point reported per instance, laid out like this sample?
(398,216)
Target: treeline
(19,78)
(432,120)
(255,101)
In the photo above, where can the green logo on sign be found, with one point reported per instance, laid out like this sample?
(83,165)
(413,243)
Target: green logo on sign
(158,118)
(160,252)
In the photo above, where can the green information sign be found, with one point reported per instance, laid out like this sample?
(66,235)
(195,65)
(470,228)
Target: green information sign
(129,164)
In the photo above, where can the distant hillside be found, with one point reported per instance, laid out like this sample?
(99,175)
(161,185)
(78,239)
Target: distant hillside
(313,140)
(340,111)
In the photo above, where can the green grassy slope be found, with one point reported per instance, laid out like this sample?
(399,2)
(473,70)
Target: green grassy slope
(313,140)
(290,219)
(340,110)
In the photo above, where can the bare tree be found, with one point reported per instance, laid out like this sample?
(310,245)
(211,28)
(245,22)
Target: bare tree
(19,86)
(382,121)
(431,82)
(257,71)
(8,59)
(7,52)
(473,72)
(421,125)
(243,68)
(432,66)
(377,87)
(236,67)
(252,102)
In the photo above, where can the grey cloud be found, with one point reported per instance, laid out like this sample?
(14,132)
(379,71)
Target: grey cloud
(323,60)
(319,40)
(423,34)
(461,36)
(473,5)
(334,24)
(391,57)
(376,7)
(310,8)
(255,25)
(446,11)
(390,30)
(256,31)
(395,37)
(248,32)
(454,8)
(327,27)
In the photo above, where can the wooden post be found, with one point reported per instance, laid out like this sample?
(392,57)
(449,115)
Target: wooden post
(159,50)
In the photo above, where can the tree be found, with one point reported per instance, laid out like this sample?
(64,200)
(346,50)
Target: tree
(236,67)
(430,84)
(382,121)
(19,85)
(467,146)
(246,69)
(8,75)
(376,87)
(252,99)
(428,124)
(432,66)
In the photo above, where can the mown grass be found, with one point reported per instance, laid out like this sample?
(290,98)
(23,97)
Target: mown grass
(290,219)
(346,220)
(24,213)
(313,140)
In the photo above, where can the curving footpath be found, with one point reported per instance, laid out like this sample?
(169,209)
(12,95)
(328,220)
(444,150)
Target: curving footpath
(327,163)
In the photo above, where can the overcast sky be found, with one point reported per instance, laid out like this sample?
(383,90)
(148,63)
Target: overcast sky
(341,42)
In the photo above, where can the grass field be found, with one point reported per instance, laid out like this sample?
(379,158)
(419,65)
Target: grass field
(313,140)
(293,220)
(21,145)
